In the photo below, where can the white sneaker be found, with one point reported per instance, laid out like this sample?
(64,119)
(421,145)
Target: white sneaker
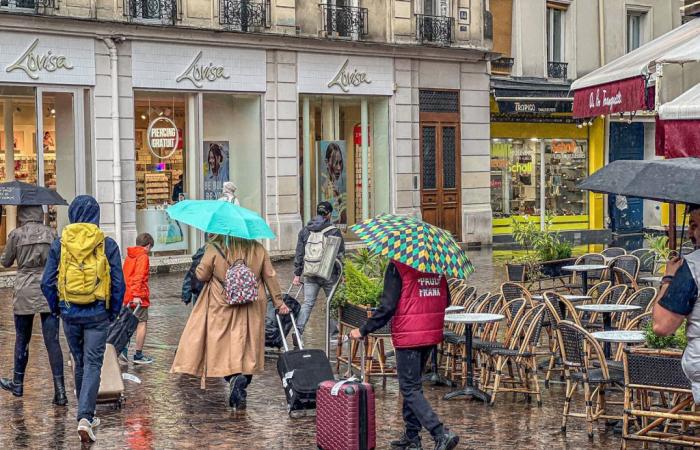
(85,431)
(95,422)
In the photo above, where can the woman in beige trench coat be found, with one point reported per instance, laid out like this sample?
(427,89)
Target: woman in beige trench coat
(220,340)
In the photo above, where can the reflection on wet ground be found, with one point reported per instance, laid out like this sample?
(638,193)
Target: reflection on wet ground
(171,411)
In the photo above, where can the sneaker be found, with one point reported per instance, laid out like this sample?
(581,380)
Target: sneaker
(95,422)
(237,397)
(123,357)
(447,441)
(406,443)
(142,359)
(85,431)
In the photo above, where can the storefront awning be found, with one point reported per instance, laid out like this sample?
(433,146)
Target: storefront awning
(684,107)
(621,86)
(678,130)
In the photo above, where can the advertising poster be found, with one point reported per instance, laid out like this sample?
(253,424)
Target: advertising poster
(332,176)
(216,154)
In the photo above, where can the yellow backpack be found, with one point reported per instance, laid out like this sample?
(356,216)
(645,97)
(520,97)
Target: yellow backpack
(83,272)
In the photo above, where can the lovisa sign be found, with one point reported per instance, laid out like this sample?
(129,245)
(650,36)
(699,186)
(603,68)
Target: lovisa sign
(198,73)
(337,74)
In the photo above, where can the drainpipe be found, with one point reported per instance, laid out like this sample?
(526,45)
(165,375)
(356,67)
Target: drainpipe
(601,32)
(116,153)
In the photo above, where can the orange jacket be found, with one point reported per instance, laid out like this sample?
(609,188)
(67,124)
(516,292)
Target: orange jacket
(136,268)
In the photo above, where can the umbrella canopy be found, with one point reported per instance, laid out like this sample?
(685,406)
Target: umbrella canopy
(670,180)
(415,243)
(18,193)
(220,217)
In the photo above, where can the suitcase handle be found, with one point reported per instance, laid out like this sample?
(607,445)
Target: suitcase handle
(339,265)
(294,327)
(296,296)
(363,357)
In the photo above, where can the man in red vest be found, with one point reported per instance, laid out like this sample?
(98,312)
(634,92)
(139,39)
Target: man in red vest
(416,301)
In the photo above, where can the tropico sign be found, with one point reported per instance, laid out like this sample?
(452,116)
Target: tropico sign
(163,137)
(33,63)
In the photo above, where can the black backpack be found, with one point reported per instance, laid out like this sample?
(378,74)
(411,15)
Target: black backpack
(191,286)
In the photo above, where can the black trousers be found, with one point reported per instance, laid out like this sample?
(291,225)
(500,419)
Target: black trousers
(417,412)
(49,329)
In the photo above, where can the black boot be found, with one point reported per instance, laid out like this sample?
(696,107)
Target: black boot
(407,443)
(59,389)
(16,385)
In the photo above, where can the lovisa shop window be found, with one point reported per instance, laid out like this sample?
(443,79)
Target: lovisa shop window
(521,167)
(172,164)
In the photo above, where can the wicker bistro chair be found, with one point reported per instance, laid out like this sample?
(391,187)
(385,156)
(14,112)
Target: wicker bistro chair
(621,276)
(647,260)
(579,350)
(612,296)
(612,252)
(660,371)
(589,258)
(444,349)
(628,263)
(639,323)
(511,291)
(643,298)
(520,357)
(553,313)
(599,289)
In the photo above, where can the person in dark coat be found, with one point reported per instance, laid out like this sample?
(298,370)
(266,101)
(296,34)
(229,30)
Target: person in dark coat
(85,326)
(28,246)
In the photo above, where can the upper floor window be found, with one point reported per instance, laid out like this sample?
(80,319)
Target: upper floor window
(555,34)
(635,29)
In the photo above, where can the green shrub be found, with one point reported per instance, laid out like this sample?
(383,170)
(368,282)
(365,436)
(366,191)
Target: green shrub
(677,340)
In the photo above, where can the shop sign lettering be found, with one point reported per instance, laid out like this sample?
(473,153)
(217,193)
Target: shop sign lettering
(563,147)
(596,101)
(525,107)
(345,79)
(198,73)
(33,63)
(499,164)
(521,168)
(163,137)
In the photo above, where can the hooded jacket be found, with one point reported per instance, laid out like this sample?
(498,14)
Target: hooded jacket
(136,270)
(28,245)
(84,209)
(318,223)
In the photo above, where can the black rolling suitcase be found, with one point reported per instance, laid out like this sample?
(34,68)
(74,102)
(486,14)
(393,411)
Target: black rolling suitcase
(273,338)
(301,371)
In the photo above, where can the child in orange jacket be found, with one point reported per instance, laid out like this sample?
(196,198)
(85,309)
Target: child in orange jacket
(136,270)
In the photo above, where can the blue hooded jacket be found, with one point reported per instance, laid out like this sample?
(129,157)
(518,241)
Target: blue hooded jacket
(84,209)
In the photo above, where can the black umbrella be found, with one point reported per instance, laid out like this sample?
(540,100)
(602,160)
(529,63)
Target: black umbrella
(668,180)
(18,193)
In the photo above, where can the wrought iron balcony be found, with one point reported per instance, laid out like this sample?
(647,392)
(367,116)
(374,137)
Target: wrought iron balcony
(435,29)
(27,5)
(502,65)
(152,11)
(557,70)
(244,15)
(344,21)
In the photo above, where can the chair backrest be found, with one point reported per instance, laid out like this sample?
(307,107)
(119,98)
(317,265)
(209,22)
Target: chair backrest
(493,303)
(613,295)
(577,346)
(471,302)
(556,300)
(641,298)
(470,293)
(455,282)
(528,328)
(622,276)
(647,260)
(592,258)
(457,297)
(628,263)
(479,301)
(596,291)
(612,252)
(511,291)
(640,322)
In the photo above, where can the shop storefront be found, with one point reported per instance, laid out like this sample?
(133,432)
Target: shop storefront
(344,137)
(45,85)
(197,125)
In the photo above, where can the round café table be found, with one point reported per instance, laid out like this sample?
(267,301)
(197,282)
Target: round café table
(583,269)
(434,375)
(650,280)
(620,336)
(470,319)
(607,311)
(562,306)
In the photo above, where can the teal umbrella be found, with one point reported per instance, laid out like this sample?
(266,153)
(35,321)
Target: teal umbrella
(221,217)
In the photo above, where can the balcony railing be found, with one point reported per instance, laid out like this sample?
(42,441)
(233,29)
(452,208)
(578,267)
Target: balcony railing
(344,21)
(435,29)
(152,11)
(557,70)
(244,15)
(27,5)
(502,65)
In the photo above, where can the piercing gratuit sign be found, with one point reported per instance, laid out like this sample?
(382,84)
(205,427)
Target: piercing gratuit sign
(163,137)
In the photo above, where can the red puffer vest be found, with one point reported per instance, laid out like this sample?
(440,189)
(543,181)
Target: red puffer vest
(420,315)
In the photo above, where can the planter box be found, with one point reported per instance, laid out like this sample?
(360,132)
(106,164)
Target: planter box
(552,269)
(548,269)
(356,316)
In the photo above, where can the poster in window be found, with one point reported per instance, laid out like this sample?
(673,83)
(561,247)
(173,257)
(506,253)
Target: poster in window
(333,178)
(216,154)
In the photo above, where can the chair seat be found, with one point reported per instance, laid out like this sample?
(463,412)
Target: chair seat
(595,376)
(454,339)
(486,345)
(449,334)
(508,352)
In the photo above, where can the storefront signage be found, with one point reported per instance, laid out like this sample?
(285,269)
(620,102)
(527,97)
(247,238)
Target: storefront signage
(620,96)
(48,59)
(163,137)
(345,78)
(563,147)
(197,73)
(357,134)
(160,65)
(33,63)
(534,107)
(338,74)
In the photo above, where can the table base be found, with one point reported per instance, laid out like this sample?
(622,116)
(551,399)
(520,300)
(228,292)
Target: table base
(469,391)
(434,375)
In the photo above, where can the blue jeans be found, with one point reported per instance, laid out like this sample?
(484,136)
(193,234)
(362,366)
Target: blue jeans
(49,329)
(312,286)
(87,343)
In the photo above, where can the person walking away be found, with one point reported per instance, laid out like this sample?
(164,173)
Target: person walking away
(29,246)
(84,283)
(191,286)
(221,340)
(136,271)
(416,301)
(310,241)
(677,301)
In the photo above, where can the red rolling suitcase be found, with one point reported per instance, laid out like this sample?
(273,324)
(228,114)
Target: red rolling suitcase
(345,418)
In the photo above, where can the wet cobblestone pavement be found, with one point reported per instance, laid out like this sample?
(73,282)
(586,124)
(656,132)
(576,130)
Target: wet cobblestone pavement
(171,411)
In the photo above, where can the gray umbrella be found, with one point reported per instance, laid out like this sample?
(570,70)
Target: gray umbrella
(18,193)
(669,180)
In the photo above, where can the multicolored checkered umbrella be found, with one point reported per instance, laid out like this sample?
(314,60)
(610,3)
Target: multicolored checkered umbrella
(420,245)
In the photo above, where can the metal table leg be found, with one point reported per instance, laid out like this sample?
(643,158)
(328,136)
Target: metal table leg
(469,389)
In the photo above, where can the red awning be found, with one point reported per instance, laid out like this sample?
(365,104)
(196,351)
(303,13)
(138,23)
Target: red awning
(627,95)
(678,138)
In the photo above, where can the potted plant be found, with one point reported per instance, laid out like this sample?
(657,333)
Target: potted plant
(546,252)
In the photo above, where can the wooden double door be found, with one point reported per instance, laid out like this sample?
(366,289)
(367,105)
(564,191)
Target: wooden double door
(440,171)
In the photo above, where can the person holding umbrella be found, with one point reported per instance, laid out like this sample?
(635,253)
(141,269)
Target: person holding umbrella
(28,246)
(415,295)
(221,339)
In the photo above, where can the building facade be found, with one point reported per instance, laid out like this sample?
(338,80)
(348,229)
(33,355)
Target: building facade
(377,107)
(538,151)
